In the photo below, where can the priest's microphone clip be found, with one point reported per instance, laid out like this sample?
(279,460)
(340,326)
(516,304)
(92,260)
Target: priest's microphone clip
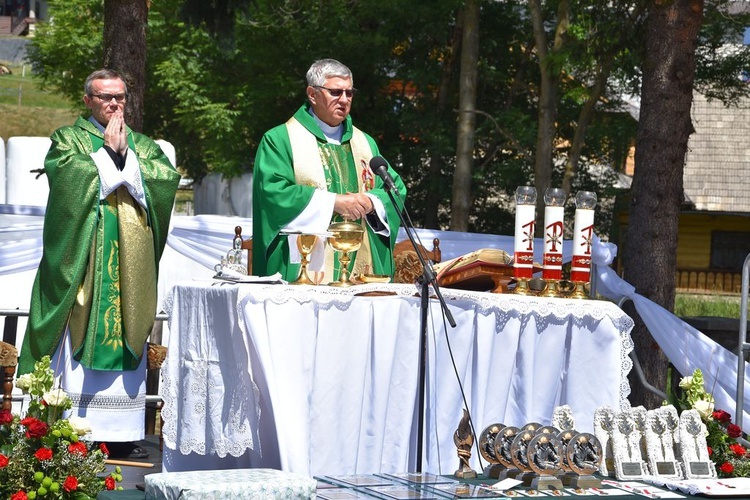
(380,167)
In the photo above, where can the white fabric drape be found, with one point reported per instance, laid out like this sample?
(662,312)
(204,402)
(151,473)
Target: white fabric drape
(337,373)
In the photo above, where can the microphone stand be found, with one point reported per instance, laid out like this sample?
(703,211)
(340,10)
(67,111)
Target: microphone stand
(428,278)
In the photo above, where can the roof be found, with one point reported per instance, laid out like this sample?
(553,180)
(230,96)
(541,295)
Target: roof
(717,164)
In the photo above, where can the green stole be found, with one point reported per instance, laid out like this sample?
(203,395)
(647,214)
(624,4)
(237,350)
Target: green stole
(106,331)
(326,166)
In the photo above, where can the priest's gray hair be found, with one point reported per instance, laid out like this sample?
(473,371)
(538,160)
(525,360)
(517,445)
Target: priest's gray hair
(103,74)
(327,68)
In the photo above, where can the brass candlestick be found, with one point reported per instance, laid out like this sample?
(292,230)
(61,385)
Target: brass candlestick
(305,244)
(346,237)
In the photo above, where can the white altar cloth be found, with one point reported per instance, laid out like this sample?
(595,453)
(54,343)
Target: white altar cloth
(317,380)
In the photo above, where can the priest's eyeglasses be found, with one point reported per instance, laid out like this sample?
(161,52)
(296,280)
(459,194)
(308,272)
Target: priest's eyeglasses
(109,97)
(337,92)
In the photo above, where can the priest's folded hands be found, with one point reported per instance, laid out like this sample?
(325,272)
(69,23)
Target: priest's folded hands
(353,206)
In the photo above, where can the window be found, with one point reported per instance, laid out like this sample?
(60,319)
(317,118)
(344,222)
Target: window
(729,250)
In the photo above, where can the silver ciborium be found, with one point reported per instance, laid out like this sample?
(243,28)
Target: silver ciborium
(346,236)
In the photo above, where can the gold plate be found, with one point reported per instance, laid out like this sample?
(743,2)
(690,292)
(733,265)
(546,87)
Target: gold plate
(374,278)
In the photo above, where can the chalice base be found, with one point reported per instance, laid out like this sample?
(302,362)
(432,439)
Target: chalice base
(303,278)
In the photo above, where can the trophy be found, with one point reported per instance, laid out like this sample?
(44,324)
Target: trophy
(487,449)
(583,455)
(346,237)
(502,444)
(463,439)
(305,244)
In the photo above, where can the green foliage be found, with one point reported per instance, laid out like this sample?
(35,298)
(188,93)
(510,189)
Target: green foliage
(690,305)
(214,95)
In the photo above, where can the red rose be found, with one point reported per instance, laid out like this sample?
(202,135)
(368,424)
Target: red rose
(70,484)
(43,454)
(19,495)
(722,416)
(3,460)
(34,428)
(734,431)
(737,449)
(710,451)
(726,468)
(6,417)
(103,448)
(109,483)
(78,448)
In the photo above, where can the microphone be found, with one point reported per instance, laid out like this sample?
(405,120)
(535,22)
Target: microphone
(380,167)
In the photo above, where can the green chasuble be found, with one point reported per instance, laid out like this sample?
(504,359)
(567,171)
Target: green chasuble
(100,257)
(278,199)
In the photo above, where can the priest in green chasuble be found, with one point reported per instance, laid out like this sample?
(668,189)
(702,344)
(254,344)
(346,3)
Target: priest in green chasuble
(94,297)
(314,170)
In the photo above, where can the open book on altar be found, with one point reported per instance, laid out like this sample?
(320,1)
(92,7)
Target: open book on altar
(486,269)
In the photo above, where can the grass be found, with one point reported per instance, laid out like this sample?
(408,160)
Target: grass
(723,306)
(27,110)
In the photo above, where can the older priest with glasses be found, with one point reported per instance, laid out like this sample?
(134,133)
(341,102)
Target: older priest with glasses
(314,170)
(94,296)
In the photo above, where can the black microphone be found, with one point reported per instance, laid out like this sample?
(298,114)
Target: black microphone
(380,167)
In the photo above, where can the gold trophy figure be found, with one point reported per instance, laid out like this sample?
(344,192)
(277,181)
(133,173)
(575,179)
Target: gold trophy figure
(305,244)
(346,237)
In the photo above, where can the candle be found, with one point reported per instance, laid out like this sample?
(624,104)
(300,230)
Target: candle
(583,231)
(523,245)
(554,214)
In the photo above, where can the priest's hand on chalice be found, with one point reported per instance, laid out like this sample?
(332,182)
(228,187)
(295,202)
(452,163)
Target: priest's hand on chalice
(353,206)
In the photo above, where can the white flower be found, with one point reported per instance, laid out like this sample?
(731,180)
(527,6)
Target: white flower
(685,382)
(24,382)
(704,408)
(55,397)
(79,425)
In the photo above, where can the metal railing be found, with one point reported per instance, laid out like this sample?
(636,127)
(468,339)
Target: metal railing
(742,345)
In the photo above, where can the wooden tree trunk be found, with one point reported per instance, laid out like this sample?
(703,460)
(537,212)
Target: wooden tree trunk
(650,256)
(461,196)
(125,51)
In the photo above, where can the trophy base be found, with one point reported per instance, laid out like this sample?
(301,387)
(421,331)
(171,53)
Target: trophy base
(493,471)
(465,474)
(547,483)
(585,482)
(527,478)
(509,474)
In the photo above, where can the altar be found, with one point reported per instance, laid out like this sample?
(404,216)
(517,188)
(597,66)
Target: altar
(321,380)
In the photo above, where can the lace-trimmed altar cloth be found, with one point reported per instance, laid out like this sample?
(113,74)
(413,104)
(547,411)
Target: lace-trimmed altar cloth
(336,372)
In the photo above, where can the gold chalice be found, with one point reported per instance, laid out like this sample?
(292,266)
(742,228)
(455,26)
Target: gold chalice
(305,244)
(345,237)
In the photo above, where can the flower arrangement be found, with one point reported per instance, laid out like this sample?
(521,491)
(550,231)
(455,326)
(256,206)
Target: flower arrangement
(43,455)
(731,458)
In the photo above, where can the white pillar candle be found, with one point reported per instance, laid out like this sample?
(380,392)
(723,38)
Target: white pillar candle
(583,231)
(523,244)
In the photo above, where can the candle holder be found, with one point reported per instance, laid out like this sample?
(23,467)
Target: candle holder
(554,214)
(523,253)
(583,232)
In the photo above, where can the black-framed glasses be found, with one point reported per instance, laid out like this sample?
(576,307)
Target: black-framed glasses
(109,97)
(338,92)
